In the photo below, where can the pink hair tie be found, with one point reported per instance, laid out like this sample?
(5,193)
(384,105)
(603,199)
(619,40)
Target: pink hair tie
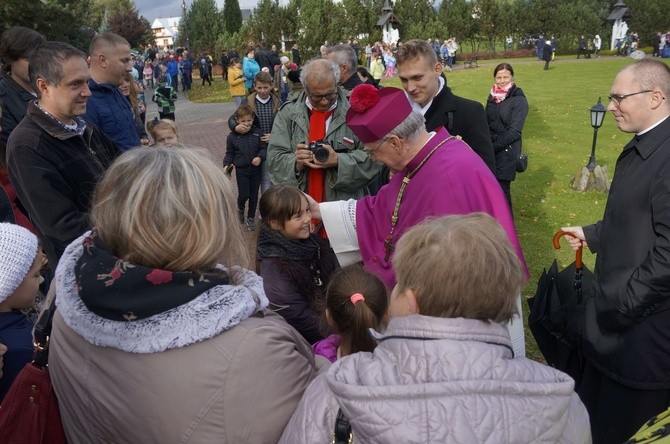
(356,297)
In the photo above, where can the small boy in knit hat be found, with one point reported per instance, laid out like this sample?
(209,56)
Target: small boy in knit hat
(21,260)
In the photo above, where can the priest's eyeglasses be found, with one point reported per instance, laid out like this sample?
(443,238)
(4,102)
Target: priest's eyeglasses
(618,98)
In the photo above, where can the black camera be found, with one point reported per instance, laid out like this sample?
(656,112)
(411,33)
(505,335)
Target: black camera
(319,150)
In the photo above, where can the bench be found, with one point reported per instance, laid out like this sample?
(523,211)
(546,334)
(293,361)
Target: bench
(472,63)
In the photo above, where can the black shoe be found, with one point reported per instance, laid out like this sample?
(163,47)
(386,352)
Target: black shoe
(251,224)
(240,215)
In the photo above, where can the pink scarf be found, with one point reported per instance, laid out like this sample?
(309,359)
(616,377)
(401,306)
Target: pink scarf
(499,94)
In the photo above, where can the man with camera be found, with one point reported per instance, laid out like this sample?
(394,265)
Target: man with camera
(311,145)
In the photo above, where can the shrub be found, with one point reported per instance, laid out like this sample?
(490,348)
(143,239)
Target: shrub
(488,55)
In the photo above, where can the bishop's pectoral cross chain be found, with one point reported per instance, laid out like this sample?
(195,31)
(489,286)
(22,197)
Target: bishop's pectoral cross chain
(389,245)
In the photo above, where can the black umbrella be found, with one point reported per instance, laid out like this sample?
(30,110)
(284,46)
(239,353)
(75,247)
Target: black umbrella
(556,316)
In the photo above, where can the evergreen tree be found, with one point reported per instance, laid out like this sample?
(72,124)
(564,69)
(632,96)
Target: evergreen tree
(416,17)
(203,23)
(232,16)
(320,21)
(265,23)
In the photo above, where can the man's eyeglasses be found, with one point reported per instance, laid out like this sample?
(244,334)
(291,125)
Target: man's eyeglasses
(319,97)
(618,98)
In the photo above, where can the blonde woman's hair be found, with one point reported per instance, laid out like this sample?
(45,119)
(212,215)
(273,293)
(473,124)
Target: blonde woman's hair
(169,208)
(460,266)
(132,96)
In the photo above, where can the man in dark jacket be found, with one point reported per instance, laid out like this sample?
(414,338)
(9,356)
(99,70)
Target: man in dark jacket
(344,56)
(187,70)
(627,328)
(656,44)
(225,62)
(266,59)
(295,53)
(107,108)
(582,48)
(421,75)
(54,157)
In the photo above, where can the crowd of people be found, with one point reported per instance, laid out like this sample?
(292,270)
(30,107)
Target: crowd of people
(383,296)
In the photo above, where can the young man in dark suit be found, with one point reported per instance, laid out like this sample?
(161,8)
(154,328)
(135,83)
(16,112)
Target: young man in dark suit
(421,75)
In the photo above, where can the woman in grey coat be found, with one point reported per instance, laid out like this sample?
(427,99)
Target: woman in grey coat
(444,370)
(154,339)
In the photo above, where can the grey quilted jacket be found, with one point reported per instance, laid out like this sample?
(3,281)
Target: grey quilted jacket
(436,380)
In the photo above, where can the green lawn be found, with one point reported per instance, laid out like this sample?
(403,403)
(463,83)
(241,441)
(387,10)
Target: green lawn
(558,138)
(218,92)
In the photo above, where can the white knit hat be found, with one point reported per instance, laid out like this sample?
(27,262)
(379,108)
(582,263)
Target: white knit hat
(18,249)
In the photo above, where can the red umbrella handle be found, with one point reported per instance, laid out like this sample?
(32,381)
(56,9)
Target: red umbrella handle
(557,245)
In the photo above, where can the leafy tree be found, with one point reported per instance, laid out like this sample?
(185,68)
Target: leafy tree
(232,17)
(95,14)
(65,20)
(647,18)
(571,20)
(131,26)
(415,16)
(456,16)
(19,13)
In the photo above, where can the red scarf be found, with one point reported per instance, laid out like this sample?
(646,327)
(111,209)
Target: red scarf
(316,185)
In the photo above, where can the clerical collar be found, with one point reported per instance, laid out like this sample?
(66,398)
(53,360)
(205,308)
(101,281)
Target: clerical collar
(419,108)
(263,101)
(653,126)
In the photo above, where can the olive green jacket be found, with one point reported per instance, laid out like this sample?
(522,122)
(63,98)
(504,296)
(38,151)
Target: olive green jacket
(291,126)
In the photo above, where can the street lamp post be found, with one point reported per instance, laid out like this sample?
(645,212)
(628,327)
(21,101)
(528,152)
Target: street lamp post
(597,115)
(183,18)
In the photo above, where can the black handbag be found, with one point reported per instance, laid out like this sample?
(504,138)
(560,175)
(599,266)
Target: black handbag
(522,162)
(342,433)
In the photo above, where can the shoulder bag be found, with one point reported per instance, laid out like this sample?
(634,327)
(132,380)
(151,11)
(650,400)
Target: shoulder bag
(522,162)
(29,413)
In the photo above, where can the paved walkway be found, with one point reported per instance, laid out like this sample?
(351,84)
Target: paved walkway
(202,125)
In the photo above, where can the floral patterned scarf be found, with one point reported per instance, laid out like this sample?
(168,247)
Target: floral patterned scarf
(120,291)
(499,94)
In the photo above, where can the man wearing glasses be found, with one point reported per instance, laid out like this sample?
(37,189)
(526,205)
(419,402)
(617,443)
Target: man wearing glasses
(627,330)
(311,145)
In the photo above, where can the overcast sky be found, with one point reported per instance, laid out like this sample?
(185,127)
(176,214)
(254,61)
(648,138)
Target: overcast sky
(152,9)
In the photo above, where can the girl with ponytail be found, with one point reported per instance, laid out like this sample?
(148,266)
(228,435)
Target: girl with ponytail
(356,300)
